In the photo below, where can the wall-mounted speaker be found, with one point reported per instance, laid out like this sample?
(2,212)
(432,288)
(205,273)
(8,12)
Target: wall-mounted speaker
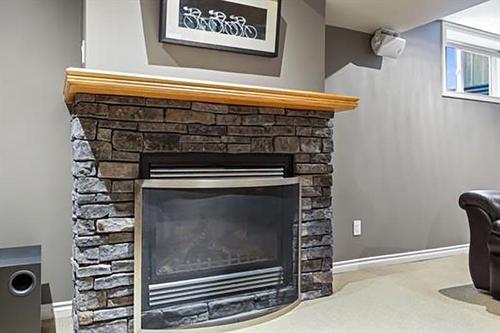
(20,292)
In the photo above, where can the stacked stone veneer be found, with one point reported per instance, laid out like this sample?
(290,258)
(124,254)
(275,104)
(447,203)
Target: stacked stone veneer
(108,135)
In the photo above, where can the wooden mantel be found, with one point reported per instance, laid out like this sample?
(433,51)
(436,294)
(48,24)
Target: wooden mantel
(111,83)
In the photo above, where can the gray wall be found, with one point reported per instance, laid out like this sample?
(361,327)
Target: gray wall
(122,35)
(403,158)
(38,40)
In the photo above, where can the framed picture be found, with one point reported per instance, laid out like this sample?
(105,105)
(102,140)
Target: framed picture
(246,26)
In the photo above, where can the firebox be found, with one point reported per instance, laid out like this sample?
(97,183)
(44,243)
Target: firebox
(217,239)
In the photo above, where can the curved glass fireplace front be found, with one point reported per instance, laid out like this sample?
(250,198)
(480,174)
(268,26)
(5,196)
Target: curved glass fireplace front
(215,250)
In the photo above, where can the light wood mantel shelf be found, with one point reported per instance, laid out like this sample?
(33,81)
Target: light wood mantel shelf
(110,83)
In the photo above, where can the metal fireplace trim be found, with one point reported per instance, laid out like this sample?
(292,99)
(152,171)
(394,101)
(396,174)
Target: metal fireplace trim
(223,324)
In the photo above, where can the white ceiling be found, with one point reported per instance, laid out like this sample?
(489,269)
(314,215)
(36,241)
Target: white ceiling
(399,15)
(485,16)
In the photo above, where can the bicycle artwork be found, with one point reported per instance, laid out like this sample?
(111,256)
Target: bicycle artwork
(218,22)
(235,25)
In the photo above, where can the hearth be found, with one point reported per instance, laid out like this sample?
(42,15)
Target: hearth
(212,228)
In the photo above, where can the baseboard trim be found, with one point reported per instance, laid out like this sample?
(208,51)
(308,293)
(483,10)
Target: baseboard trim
(398,258)
(56,310)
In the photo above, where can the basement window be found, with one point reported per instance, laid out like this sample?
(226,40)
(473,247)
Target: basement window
(471,63)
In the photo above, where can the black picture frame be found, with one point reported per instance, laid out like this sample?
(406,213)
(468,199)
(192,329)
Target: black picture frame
(164,39)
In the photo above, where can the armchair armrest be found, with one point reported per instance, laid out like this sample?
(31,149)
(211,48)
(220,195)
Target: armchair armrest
(487,200)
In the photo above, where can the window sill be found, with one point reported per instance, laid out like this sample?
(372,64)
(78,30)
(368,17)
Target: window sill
(470,97)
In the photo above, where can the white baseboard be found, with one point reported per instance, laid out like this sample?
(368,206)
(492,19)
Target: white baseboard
(398,258)
(56,310)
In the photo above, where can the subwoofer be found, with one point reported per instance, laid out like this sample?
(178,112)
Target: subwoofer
(20,292)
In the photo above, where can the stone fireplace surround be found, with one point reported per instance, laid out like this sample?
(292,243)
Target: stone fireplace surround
(109,133)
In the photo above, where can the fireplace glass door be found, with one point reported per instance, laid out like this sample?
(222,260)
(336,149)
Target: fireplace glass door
(204,231)
(206,239)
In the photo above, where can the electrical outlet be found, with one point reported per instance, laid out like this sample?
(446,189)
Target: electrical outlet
(356,228)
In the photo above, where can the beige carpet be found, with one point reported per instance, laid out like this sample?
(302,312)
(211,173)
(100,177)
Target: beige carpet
(428,296)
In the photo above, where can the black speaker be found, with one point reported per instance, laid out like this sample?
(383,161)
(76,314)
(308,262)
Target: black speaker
(20,292)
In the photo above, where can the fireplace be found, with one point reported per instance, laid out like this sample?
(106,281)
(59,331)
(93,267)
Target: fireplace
(211,147)
(211,228)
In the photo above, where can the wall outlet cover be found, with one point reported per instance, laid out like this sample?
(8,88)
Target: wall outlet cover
(356,228)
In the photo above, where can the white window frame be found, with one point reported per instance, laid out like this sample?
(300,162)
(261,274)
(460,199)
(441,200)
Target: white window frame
(480,42)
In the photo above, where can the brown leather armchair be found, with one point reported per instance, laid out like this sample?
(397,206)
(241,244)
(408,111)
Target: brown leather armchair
(483,212)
